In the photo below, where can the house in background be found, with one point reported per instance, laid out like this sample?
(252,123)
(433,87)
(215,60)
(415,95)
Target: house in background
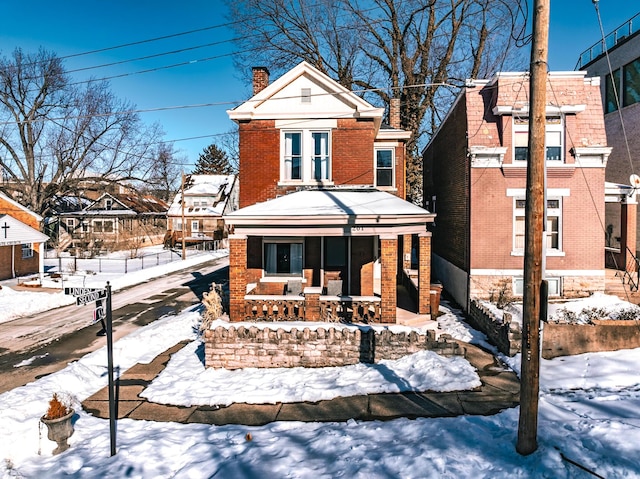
(206,199)
(115,222)
(475,178)
(620,91)
(21,242)
(323,231)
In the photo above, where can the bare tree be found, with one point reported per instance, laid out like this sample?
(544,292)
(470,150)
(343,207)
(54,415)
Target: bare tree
(164,177)
(419,51)
(55,135)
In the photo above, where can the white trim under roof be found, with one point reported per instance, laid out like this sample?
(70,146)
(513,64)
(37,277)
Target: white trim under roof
(500,110)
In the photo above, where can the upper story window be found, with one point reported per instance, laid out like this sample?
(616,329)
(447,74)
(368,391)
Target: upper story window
(385,161)
(626,81)
(108,203)
(554,136)
(306,155)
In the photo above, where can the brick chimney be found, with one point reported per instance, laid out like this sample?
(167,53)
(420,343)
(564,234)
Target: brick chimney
(394,113)
(260,79)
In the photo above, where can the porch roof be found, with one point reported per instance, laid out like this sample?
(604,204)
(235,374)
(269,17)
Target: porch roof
(367,210)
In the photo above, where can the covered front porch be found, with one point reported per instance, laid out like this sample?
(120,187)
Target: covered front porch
(327,255)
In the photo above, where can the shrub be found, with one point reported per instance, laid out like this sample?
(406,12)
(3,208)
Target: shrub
(57,408)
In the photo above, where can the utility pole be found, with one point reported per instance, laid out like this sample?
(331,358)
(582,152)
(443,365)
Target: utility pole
(534,219)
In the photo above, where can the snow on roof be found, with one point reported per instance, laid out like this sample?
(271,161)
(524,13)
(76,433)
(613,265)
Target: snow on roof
(333,202)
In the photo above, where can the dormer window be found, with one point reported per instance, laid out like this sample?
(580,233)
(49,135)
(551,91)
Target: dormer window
(554,134)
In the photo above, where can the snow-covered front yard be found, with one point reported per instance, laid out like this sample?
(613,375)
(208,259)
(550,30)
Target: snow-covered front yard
(588,414)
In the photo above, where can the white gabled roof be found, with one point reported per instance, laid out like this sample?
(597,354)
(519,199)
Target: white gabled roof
(13,232)
(332,206)
(282,99)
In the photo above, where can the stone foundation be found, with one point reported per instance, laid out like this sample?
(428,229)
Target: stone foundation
(253,347)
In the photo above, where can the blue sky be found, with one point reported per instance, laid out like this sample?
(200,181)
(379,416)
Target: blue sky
(69,27)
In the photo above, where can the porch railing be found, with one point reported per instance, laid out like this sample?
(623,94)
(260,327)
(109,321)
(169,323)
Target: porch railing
(274,308)
(365,309)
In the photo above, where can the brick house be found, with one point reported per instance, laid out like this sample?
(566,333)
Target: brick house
(475,179)
(21,242)
(323,231)
(206,199)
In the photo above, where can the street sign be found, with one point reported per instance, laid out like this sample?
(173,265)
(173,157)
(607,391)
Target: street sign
(91,297)
(80,291)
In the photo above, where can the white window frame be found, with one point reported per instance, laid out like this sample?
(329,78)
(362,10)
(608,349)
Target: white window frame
(554,128)
(307,156)
(108,203)
(27,250)
(195,223)
(519,213)
(275,241)
(71,223)
(376,150)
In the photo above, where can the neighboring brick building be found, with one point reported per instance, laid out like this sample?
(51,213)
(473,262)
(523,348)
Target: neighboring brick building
(21,242)
(322,205)
(621,117)
(475,179)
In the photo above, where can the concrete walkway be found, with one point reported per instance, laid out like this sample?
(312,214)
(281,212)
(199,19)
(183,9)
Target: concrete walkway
(500,390)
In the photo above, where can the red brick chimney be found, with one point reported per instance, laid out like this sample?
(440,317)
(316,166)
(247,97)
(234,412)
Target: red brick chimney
(260,79)
(394,113)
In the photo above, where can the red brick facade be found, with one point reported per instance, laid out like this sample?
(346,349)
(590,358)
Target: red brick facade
(354,135)
(471,171)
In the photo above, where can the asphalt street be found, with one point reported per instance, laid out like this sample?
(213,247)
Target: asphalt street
(52,339)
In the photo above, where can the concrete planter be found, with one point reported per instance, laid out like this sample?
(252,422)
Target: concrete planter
(59,430)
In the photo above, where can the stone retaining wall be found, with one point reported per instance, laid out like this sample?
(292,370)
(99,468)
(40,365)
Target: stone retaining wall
(503,333)
(602,335)
(246,347)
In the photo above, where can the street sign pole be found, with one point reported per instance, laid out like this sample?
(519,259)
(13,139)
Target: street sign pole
(112,395)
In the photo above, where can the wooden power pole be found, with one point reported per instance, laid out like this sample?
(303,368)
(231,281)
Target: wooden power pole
(534,221)
(184,226)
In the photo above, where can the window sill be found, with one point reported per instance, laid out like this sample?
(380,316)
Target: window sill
(281,279)
(305,183)
(386,188)
(548,253)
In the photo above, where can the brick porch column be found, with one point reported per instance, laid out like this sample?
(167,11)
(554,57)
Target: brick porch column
(389,273)
(406,251)
(424,272)
(237,276)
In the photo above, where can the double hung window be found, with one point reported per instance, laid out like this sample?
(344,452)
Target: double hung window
(306,156)
(384,166)
(553,226)
(554,134)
